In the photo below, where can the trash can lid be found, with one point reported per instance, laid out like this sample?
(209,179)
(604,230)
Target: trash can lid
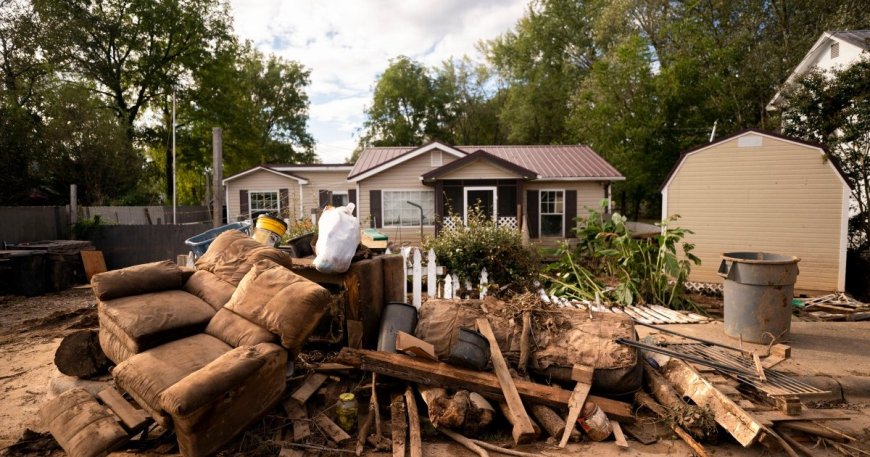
(766,258)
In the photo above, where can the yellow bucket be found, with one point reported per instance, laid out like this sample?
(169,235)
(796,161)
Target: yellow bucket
(269,230)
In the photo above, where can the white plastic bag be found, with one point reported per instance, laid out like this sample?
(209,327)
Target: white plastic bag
(337,239)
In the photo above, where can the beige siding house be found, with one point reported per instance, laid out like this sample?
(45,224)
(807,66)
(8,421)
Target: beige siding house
(540,189)
(758,191)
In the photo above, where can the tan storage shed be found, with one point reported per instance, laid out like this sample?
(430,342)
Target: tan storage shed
(759,191)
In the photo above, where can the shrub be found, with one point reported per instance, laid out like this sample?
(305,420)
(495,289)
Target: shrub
(609,264)
(466,250)
(298,227)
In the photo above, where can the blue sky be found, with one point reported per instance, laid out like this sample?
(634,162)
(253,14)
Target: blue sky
(346,44)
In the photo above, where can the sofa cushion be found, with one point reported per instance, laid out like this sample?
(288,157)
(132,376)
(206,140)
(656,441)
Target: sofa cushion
(80,425)
(283,302)
(139,279)
(114,348)
(146,375)
(210,289)
(237,331)
(147,320)
(232,254)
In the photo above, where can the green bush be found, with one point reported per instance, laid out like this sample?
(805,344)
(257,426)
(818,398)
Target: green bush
(87,229)
(466,250)
(608,264)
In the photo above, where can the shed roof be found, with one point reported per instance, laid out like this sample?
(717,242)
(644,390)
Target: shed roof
(831,159)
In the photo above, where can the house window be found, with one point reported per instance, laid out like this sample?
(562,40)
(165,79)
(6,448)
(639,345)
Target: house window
(835,50)
(340,199)
(398,213)
(264,203)
(435,159)
(552,212)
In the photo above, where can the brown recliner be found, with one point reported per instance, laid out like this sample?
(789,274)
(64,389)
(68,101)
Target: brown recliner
(207,373)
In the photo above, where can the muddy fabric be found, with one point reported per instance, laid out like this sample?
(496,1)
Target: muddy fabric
(209,428)
(151,372)
(281,301)
(232,254)
(439,322)
(210,383)
(112,346)
(586,341)
(80,425)
(139,279)
(210,289)
(237,331)
(147,320)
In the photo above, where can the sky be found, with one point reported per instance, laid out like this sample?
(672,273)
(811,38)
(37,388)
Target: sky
(346,44)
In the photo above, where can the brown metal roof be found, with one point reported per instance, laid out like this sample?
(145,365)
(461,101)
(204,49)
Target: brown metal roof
(556,161)
(859,38)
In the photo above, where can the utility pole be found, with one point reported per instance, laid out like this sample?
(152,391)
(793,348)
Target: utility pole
(174,174)
(217,174)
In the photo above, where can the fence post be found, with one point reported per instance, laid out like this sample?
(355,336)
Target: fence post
(418,279)
(405,252)
(432,279)
(456,286)
(448,287)
(484,280)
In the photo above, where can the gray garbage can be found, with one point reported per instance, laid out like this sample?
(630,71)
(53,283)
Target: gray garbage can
(759,288)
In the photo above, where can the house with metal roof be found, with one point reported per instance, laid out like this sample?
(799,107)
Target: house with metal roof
(833,50)
(401,189)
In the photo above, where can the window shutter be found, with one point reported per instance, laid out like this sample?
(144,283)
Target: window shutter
(570,213)
(243,205)
(532,210)
(284,199)
(351,197)
(375,208)
(325,198)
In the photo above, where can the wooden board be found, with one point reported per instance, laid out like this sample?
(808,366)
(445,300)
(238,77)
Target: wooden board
(523,431)
(93,263)
(312,383)
(429,373)
(583,376)
(410,344)
(770,417)
(618,436)
(332,429)
(296,412)
(399,422)
(132,418)
(415,441)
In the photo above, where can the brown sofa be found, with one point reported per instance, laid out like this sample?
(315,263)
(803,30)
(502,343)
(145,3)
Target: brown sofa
(206,351)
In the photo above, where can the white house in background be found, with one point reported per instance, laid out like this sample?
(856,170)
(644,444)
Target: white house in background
(832,51)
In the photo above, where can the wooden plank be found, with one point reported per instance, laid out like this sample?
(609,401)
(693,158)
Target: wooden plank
(640,434)
(354,334)
(290,452)
(93,263)
(399,424)
(618,436)
(296,412)
(770,417)
(332,429)
(393,266)
(429,373)
(523,431)
(132,418)
(741,425)
(410,344)
(312,383)
(759,369)
(583,376)
(415,442)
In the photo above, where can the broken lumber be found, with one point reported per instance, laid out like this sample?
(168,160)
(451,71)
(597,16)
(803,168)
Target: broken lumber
(299,416)
(440,374)
(376,408)
(583,376)
(414,423)
(410,344)
(812,428)
(506,412)
(692,418)
(552,423)
(525,344)
(618,436)
(643,399)
(363,433)
(501,450)
(132,418)
(522,431)
(307,389)
(470,445)
(687,382)
(399,423)
(332,430)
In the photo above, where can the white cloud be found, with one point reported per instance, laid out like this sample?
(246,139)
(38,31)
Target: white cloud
(347,43)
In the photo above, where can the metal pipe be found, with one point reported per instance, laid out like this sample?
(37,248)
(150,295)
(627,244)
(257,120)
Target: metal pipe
(421,217)
(712,343)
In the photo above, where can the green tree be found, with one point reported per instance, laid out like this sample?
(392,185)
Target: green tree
(472,105)
(835,110)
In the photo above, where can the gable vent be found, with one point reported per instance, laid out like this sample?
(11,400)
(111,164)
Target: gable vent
(835,50)
(749,141)
(435,158)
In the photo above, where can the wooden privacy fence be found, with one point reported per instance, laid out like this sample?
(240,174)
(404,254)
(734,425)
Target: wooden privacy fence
(439,283)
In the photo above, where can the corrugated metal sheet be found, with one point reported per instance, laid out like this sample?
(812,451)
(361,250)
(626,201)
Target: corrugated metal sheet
(558,161)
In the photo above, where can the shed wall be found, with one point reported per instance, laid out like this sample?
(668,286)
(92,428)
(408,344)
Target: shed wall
(779,197)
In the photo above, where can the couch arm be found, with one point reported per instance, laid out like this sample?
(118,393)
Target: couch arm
(222,375)
(136,280)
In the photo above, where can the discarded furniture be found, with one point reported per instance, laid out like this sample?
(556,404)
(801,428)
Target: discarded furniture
(206,352)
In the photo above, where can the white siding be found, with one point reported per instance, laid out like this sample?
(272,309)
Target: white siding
(334,181)
(589,195)
(260,180)
(780,197)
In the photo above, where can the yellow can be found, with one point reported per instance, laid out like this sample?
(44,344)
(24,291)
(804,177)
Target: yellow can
(269,230)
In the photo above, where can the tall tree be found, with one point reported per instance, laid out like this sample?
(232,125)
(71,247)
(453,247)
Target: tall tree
(472,103)
(834,109)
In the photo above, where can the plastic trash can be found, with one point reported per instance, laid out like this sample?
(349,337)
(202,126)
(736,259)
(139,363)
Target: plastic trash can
(200,243)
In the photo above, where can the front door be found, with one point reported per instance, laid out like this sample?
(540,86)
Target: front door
(484,197)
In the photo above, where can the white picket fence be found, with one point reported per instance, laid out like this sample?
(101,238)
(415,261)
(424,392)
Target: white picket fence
(447,286)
